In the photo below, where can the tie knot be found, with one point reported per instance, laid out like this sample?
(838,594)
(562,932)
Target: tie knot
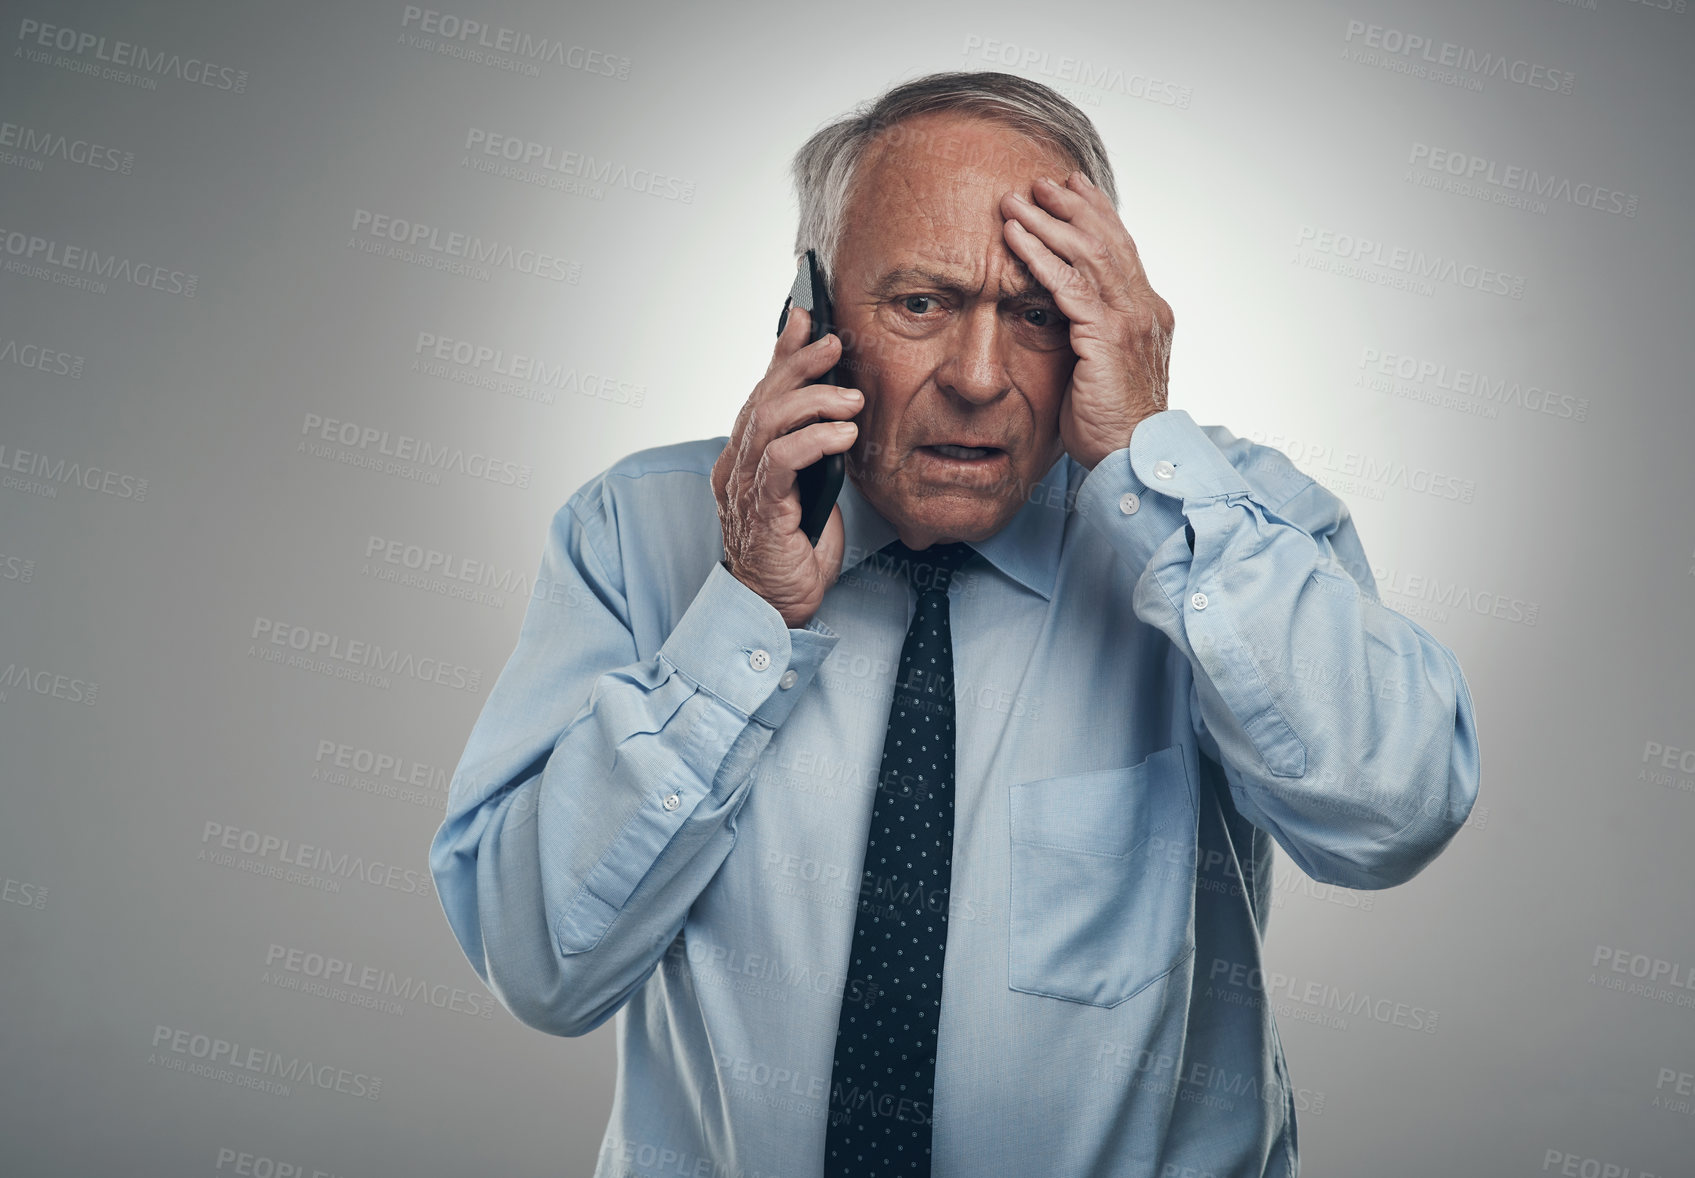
(930,568)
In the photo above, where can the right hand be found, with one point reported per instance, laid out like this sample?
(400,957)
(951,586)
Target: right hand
(754,478)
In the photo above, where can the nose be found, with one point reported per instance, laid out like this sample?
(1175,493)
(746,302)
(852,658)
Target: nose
(973,370)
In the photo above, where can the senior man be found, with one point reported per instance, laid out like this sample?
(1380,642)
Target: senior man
(944,847)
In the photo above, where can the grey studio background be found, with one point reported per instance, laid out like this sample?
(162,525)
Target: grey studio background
(1440,254)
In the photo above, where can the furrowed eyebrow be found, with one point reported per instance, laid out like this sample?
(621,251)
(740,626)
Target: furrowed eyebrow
(908,276)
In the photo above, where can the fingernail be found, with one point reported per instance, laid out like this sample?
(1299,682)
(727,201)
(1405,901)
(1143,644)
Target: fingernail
(1087,183)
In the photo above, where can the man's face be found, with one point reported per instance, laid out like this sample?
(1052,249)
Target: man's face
(948,335)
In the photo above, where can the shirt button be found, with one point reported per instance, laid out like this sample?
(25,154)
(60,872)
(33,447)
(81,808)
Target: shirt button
(1128,503)
(789,679)
(1164,469)
(759,660)
(672,802)
(1198,600)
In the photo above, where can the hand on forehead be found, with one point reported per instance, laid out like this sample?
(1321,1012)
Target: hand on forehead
(928,194)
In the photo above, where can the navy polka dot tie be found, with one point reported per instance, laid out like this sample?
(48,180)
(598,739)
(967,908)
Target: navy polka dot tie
(882,1087)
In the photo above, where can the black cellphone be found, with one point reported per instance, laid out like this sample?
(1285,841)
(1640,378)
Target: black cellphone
(820,483)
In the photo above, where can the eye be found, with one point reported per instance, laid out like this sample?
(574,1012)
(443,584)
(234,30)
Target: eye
(1041,326)
(909,300)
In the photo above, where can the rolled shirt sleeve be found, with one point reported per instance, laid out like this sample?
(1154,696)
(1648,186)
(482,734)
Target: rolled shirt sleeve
(1344,729)
(593,800)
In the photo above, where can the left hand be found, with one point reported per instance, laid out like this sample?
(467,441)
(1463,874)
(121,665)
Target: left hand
(1075,245)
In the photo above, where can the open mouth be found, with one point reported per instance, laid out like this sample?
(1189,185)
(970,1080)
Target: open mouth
(964,453)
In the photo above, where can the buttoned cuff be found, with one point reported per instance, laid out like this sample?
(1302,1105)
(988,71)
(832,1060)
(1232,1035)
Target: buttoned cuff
(808,648)
(732,643)
(1169,456)
(1174,456)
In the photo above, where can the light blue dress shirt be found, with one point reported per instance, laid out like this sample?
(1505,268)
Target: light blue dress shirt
(1163,665)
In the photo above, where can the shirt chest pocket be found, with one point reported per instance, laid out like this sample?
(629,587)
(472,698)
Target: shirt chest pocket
(1103,880)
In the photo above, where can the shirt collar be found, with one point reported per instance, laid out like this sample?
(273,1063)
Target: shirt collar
(1026,549)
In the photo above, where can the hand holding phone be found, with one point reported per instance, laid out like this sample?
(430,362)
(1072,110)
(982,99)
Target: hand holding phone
(821,482)
(793,421)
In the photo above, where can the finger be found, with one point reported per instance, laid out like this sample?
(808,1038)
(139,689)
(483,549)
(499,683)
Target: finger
(1074,295)
(787,412)
(1090,191)
(796,342)
(1096,212)
(790,340)
(1090,254)
(790,412)
(1088,209)
(1114,226)
(791,453)
(824,402)
(794,362)
(1102,247)
(1086,206)
(804,366)
(799,369)
(796,332)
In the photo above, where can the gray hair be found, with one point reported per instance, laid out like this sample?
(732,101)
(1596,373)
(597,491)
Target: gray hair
(825,166)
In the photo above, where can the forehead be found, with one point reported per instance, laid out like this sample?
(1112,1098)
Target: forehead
(933,184)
